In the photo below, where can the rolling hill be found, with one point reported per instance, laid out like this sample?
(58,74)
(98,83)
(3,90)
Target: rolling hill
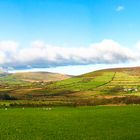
(106,83)
(39,76)
(2,72)
(115,81)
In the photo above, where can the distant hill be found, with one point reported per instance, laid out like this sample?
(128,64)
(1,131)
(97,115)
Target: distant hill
(3,73)
(39,76)
(2,70)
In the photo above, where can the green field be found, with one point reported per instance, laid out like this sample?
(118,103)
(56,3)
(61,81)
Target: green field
(67,123)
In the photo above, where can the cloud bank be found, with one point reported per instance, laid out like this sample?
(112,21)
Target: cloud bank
(42,55)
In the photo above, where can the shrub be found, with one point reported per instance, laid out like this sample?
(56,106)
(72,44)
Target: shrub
(115,90)
(6,96)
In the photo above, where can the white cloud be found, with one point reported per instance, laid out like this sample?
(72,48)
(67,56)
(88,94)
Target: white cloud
(39,54)
(38,44)
(7,50)
(120,8)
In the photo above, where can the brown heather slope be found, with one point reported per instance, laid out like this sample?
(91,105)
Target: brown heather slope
(39,76)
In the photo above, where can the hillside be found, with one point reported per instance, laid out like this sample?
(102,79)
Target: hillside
(116,81)
(39,76)
(3,73)
(107,83)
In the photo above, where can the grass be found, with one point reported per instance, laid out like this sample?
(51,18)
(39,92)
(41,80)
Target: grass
(110,82)
(67,123)
(80,83)
(24,90)
(72,123)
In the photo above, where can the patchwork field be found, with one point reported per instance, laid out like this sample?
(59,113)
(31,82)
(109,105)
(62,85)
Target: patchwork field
(61,123)
(102,84)
(119,81)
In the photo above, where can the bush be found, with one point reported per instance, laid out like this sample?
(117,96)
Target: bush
(6,96)
(115,90)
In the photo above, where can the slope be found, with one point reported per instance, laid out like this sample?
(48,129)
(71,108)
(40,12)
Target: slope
(39,76)
(108,82)
(116,81)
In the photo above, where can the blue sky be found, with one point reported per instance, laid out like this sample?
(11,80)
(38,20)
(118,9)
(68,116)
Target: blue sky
(67,24)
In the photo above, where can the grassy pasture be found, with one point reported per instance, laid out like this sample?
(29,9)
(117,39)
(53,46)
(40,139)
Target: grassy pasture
(81,83)
(67,123)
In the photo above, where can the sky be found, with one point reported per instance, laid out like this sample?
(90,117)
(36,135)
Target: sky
(69,36)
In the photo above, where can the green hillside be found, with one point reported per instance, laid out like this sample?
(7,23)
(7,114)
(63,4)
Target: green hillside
(87,82)
(117,81)
(107,83)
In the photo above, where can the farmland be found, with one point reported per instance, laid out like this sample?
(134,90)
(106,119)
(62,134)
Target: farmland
(114,86)
(101,105)
(60,123)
